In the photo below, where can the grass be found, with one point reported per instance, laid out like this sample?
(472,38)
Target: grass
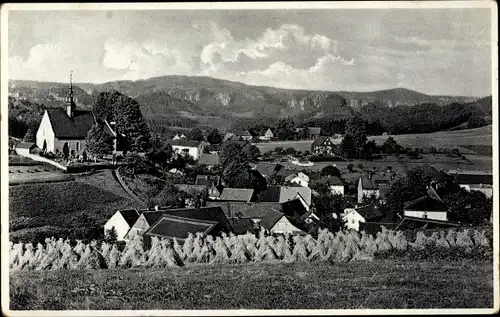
(355,285)
(46,209)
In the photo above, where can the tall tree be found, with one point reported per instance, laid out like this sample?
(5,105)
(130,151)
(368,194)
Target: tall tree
(214,136)
(195,134)
(98,142)
(285,129)
(356,128)
(30,136)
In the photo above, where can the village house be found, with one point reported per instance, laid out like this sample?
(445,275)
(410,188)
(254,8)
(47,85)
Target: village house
(429,206)
(314,132)
(236,194)
(335,184)
(209,160)
(298,178)
(352,217)
(187,147)
(277,222)
(249,210)
(268,169)
(121,221)
(268,135)
(24,148)
(207,180)
(322,145)
(67,128)
(282,194)
(479,182)
(178,136)
(371,184)
(244,135)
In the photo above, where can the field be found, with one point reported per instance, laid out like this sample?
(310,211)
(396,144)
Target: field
(62,207)
(461,139)
(35,174)
(354,285)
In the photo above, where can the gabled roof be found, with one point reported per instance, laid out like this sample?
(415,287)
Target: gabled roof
(290,192)
(271,194)
(314,130)
(474,179)
(425,203)
(179,227)
(209,159)
(271,218)
(189,187)
(236,194)
(205,213)
(247,210)
(186,143)
(130,216)
(228,136)
(151,216)
(368,212)
(374,182)
(332,181)
(319,141)
(285,172)
(242,133)
(267,169)
(293,208)
(65,127)
(430,172)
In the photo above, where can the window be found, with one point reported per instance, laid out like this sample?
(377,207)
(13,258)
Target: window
(77,146)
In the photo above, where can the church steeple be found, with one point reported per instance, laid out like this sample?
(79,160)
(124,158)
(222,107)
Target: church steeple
(70,103)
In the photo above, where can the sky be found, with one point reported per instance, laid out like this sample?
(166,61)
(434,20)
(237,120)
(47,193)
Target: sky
(434,51)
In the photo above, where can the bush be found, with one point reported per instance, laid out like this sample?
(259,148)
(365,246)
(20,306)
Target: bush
(325,158)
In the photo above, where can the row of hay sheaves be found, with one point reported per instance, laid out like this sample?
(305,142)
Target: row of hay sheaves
(196,249)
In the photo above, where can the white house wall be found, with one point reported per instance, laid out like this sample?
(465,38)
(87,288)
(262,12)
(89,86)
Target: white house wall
(336,190)
(283,225)
(434,215)
(46,133)
(120,225)
(352,219)
(192,151)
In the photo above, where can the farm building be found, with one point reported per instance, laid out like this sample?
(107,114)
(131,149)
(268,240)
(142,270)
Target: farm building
(268,135)
(209,160)
(178,136)
(24,148)
(282,194)
(122,221)
(314,132)
(429,206)
(354,216)
(370,184)
(187,147)
(243,225)
(236,194)
(268,169)
(243,135)
(254,211)
(276,222)
(207,180)
(322,145)
(479,182)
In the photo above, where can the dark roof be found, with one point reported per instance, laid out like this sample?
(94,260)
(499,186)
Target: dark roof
(474,179)
(331,180)
(247,210)
(267,169)
(209,159)
(293,208)
(375,181)
(152,216)
(24,145)
(236,194)
(425,203)
(319,141)
(412,222)
(130,216)
(180,227)
(212,147)
(285,172)
(369,212)
(242,225)
(271,194)
(187,143)
(242,133)
(430,172)
(314,130)
(76,127)
(259,210)
(271,218)
(207,180)
(205,213)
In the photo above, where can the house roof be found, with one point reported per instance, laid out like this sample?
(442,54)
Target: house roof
(209,159)
(268,169)
(285,172)
(375,181)
(76,127)
(425,203)
(271,218)
(242,133)
(474,179)
(411,222)
(24,145)
(293,208)
(205,213)
(237,194)
(319,141)
(179,227)
(189,187)
(242,225)
(332,181)
(368,212)
(290,192)
(151,216)
(247,210)
(271,194)
(228,136)
(130,216)
(314,130)
(186,143)
(207,180)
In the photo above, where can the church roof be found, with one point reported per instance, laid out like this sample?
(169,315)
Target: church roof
(65,127)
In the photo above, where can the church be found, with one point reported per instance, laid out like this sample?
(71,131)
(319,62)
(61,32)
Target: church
(67,127)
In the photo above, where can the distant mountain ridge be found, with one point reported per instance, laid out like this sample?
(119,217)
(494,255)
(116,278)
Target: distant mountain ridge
(217,97)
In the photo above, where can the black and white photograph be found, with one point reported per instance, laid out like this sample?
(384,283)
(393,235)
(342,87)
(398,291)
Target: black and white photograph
(253,158)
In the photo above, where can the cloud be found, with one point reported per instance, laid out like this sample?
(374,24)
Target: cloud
(143,60)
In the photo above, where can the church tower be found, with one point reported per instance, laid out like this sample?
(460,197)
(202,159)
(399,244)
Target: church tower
(70,103)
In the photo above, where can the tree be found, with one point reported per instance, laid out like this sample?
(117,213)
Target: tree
(30,136)
(214,136)
(290,151)
(347,147)
(98,142)
(160,155)
(330,170)
(136,164)
(65,150)
(251,152)
(111,236)
(350,167)
(170,196)
(278,150)
(195,134)
(285,129)
(469,207)
(357,130)
(390,146)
